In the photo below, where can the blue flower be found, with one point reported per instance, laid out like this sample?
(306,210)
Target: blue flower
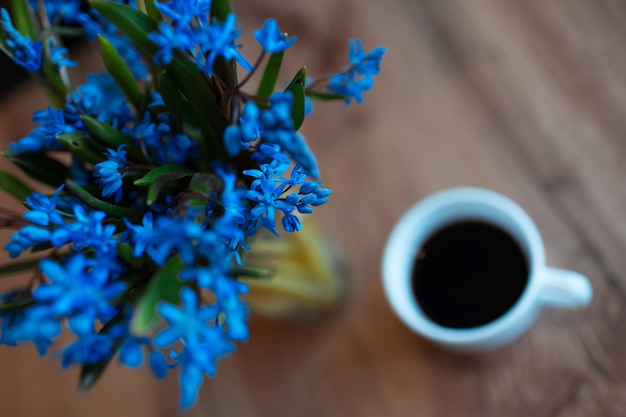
(348,85)
(43,209)
(34,324)
(359,76)
(77,288)
(291,223)
(87,230)
(203,339)
(101,98)
(365,63)
(163,146)
(52,123)
(183,12)
(168,39)
(62,11)
(94,24)
(57,55)
(268,196)
(159,238)
(277,127)
(271,39)
(25,52)
(89,348)
(218,39)
(158,364)
(109,173)
(238,137)
(268,152)
(190,322)
(25,238)
(130,352)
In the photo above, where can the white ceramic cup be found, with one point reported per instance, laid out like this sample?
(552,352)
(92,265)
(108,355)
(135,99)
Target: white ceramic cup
(545,286)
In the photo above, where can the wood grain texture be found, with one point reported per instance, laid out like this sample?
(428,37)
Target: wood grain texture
(526,98)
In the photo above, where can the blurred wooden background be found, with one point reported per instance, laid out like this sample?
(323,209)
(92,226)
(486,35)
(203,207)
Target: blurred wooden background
(524,97)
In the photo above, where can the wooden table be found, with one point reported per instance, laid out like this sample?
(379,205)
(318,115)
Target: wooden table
(526,98)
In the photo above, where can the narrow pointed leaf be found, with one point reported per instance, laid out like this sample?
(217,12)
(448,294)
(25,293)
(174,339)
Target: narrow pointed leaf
(126,253)
(220,9)
(120,72)
(155,188)
(109,208)
(15,267)
(90,373)
(78,144)
(183,112)
(13,186)
(3,45)
(154,175)
(113,138)
(324,96)
(73,32)
(296,86)
(205,182)
(132,22)
(147,6)
(172,99)
(40,167)
(255,273)
(164,286)
(184,72)
(23,19)
(17,305)
(270,75)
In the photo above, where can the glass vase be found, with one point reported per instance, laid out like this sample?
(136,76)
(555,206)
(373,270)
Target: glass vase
(305,276)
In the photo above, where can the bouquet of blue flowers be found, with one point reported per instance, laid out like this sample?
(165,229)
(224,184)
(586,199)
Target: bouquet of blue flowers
(160,170)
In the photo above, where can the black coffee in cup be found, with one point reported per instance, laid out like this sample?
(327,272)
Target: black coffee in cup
(468,274)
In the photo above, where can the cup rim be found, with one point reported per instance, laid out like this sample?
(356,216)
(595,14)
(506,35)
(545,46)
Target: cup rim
(397,255)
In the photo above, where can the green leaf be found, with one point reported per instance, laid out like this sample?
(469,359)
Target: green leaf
(40,167)
(90,373)
(113,138)
(270,75)
(163,286)
(172,99)
(13,186)
(120,72)
(18,304)
(23,19)
(126,253)
(155,188)
(73,32)
(184,113)
(51,80)
(154,175)
(78,144)
(255,272)
(296,86)
(204,182)
(220,9)
(148,7)
(324,96)
(132,22)
(184,72)
(3,44)
(120,212)
(15,267)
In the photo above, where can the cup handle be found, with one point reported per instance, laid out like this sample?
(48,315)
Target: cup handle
(563,288)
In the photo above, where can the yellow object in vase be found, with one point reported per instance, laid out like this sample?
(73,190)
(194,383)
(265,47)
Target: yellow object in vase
(306,276)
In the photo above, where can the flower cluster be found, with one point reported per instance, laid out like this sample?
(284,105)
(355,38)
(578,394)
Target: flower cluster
(170,169)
